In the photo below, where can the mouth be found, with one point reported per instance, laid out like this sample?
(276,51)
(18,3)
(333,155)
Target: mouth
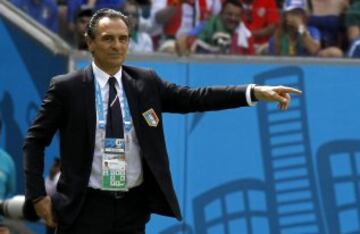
(115,55)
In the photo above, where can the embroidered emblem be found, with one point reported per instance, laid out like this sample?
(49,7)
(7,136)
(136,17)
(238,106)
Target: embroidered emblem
(151,118)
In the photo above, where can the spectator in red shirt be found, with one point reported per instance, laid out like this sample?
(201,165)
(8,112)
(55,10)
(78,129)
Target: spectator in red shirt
(179,18)
(261,17)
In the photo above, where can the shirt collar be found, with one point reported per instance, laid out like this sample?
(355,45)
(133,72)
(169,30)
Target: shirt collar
(102,77)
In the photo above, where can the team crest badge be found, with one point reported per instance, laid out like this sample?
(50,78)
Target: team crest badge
(151,118)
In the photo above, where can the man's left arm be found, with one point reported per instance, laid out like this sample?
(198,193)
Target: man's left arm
(182,99)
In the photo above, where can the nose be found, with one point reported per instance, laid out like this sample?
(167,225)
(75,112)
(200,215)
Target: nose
(116,44)
(233,17)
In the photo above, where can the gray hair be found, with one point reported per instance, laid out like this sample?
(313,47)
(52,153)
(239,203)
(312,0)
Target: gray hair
(105,12)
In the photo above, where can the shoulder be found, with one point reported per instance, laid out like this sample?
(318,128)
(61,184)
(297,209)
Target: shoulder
(69,78)
(138,71)
(143,75)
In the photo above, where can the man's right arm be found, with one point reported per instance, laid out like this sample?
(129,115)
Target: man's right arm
(39,136)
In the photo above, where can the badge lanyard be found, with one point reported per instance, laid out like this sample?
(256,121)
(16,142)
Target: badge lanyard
(113,158)
(100,110)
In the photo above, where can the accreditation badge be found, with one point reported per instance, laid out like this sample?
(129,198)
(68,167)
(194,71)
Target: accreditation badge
(114,165)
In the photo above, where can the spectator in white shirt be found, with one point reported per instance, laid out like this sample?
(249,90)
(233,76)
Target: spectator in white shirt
(139,41)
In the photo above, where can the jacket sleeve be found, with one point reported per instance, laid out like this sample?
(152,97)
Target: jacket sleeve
(182,99)
(38,137)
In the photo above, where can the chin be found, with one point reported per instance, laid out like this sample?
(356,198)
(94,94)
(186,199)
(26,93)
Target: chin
(116,61)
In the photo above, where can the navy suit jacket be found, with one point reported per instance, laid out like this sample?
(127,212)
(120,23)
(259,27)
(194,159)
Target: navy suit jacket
(69,107)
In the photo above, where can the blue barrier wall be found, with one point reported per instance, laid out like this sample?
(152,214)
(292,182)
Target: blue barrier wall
(248,170)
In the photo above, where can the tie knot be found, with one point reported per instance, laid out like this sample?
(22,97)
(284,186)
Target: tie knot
(112,81)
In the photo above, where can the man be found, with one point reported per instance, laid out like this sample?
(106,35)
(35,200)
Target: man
(261,17)
(7,181)
(178,19)
(328,17)
(295,38)
(87,107)
(225,33)
(139,41)
(81,20)
(352,21)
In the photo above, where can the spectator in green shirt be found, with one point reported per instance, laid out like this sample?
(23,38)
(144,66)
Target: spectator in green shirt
(225,33)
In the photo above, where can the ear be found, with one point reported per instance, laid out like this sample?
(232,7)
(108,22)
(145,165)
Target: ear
(90,43)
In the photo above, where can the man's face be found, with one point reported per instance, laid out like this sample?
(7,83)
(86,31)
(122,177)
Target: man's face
(231,16)
(110,45)
(81,24)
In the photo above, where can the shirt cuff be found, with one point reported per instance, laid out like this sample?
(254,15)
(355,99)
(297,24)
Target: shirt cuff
(248,95)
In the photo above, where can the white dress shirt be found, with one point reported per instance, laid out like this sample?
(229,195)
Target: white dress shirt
(134,176)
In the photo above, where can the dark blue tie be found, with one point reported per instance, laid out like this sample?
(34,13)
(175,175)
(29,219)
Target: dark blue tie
(114,121)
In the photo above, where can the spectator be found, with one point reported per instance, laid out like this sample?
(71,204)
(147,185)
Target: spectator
(352,21)
(43,11)
(262,18)
(98,4)
(295,38)
(326,15)
(62,18)
(7,181)
(354,51)
(178,18)
(75,5)
(82,19)
(225,33)
(139,41)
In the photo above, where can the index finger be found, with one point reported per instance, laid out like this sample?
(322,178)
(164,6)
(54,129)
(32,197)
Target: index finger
(288,90)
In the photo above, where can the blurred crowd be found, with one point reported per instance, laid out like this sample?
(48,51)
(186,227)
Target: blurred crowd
(321,28)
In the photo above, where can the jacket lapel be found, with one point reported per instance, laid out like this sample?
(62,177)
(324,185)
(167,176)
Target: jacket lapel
(89,100)
(133,97)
